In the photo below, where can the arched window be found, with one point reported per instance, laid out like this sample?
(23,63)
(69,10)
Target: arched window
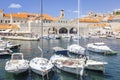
(63,31)
(73,31)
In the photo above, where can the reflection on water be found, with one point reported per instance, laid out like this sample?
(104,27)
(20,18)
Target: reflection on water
(91,75)
(30,50)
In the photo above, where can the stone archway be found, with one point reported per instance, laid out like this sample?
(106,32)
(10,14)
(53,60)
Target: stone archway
(63,31)
(73,31)
(52,30)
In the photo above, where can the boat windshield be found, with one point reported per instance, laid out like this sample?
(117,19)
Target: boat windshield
(17,57)
(99,44)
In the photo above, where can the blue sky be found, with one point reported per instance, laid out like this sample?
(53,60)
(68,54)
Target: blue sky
(53,7)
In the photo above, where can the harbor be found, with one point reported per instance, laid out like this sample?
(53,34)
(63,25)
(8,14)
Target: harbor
(77,43)
(30,50)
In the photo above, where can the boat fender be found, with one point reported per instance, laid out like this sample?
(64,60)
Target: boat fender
(82,71)
(60,66)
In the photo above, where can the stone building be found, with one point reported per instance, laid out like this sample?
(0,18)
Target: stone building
(31,23)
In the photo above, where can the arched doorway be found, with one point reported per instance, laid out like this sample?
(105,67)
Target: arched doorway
(63,31)
(73,31)
(52,30)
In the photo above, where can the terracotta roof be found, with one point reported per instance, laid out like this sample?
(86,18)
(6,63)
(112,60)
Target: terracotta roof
(1,11)
(90,19)
(48,17)
(19,15)
(98,25)
(44,16)
(116,29)
(110,17)
(8,26)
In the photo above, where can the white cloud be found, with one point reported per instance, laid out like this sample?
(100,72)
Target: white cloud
(83,15)
(75,11)
(14,5)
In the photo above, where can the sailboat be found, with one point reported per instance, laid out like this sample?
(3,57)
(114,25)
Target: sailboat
(17,64)
(70,65)
(76,48)
(77,65)
(40,65)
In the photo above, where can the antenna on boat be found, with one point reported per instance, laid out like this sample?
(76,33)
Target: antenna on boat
(41,20)
(40,50)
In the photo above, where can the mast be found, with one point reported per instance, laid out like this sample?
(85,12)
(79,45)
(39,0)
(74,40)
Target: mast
(41,25)
(78,21)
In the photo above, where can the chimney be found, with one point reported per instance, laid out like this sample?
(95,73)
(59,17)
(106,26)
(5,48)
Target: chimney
(62,13)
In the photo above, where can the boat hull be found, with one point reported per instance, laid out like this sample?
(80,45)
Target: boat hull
(76,70)
(100,68)
(17,71)
(41,66)
(42,73)
(16,67)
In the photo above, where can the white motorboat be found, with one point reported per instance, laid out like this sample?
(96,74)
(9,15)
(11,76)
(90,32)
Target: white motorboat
(60,50)
(40,65)
(17,64)
(76,49)
(95,65)
(8,46)
(75,66)
(12,46)
(2,45)
(100,48)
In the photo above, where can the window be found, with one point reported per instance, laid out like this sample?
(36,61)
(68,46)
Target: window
(1,21)
(5,21)
(8,21)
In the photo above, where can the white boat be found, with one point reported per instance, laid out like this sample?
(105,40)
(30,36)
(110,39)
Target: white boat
(22,38)
(95,65)
(59,50)
(100,47)
(89,63)
(76,37)
(17,64)
(5,53)
(74,66)
(3,48)
(2,45)
(8,46)
(12,46)
(76,49)
(40,65)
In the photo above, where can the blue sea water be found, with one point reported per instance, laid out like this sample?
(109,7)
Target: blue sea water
(30,50)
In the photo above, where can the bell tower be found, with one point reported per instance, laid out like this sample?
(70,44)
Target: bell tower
(62,13)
